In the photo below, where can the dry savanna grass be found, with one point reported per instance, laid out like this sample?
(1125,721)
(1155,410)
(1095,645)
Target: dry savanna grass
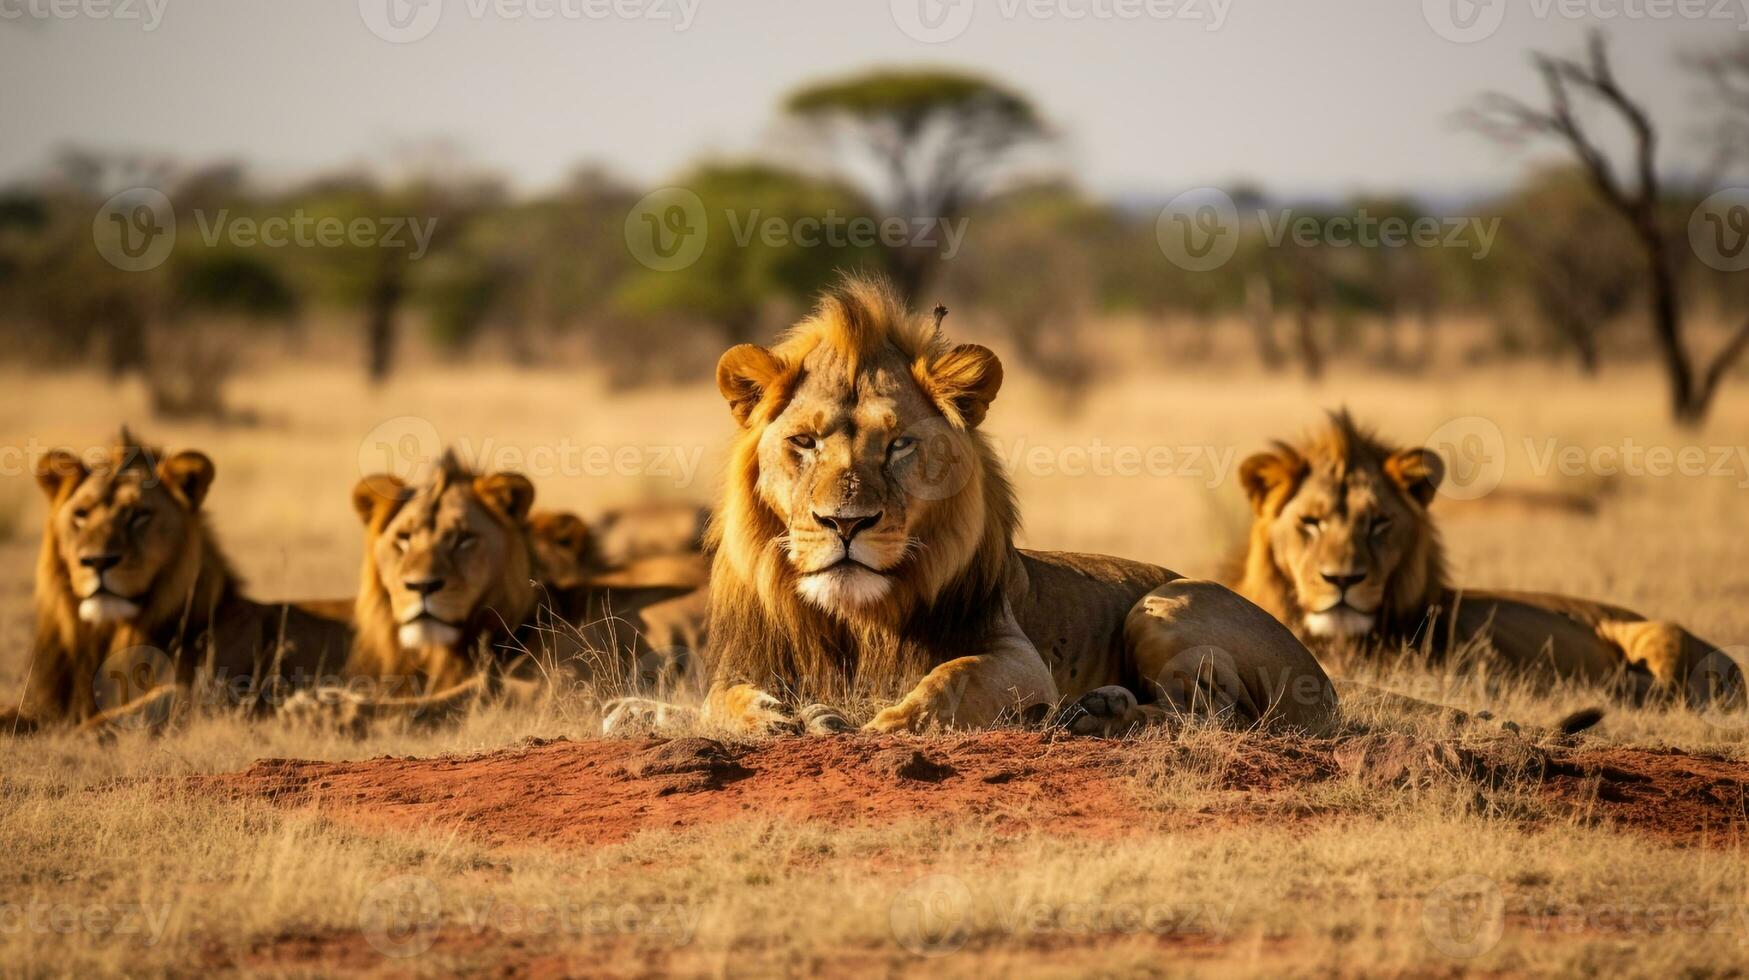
(118,863)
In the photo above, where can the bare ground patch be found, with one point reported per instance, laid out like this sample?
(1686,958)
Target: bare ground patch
(586,793)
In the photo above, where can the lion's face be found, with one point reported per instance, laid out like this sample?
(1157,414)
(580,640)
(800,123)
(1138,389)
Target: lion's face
(835,470)
(441,553)
(563,547)
(119,526)
(1342,531)
(863,463)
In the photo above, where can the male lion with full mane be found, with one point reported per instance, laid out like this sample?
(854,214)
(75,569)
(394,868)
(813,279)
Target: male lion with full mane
(865,545)
(133,592)
(1344,551)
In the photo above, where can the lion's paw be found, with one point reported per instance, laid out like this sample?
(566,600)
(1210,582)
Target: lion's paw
(898,718)
(623,716)
(1103,711)
(328,708)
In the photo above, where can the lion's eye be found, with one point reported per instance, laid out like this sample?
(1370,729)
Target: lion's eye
(464,541)
(802,441)
(402,540)
(901,445)
(79,517)
(139,519)
(1310,524)
(1380,526)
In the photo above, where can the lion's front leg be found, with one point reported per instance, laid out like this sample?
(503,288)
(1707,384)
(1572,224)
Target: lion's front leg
(978,691)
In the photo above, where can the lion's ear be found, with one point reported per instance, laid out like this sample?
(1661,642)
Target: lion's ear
(964,382)
(190,474)
(59,470)
(511,493)
(744,373)
(381,493)
(1418,471)
(562,528)
(1265,474)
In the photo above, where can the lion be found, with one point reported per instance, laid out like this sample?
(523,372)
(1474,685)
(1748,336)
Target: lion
(568,553)
(455,595)
(134,596)
(865,545)
(1343,550)
(673,628)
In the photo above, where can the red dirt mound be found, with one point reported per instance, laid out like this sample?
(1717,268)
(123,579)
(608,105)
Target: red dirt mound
(593,792)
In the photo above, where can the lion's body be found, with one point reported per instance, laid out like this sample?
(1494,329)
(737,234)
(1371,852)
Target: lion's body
(1343,550)
(181,609)
(864,546)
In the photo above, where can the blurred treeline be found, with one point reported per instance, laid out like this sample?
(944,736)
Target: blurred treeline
(1043,266)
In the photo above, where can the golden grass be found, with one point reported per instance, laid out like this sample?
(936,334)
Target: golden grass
(248,886)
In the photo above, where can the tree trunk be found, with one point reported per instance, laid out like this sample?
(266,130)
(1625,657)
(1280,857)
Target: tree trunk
(1260,312)
(1306,323)
(380,310)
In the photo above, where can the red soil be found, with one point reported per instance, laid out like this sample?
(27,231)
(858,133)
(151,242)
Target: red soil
(563,793)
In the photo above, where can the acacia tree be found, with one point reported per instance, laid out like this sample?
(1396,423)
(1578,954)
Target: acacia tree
(932,139)
(1637,199)
(741,270)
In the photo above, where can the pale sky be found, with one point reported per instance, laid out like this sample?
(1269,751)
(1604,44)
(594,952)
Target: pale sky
(1302,96)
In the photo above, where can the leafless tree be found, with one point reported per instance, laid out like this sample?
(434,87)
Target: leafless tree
(1637,197)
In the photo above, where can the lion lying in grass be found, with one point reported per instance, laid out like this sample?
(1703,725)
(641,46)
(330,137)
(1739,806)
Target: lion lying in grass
(865,544)
(1344,551)
(465,592)
(134,593)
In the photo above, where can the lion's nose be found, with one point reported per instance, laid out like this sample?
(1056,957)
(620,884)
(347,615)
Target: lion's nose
(1344,581)
(848,526)
(100,563)
(423,586)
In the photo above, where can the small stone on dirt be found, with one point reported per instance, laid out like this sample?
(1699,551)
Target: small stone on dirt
(693,764)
